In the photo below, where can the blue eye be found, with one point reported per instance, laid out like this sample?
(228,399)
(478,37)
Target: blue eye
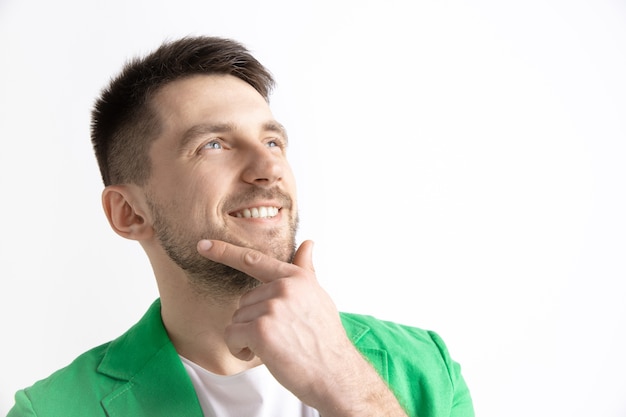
(214,144)
(276,143)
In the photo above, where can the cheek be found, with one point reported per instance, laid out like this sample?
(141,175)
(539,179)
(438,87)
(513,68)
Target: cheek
(203,197)
(290,182)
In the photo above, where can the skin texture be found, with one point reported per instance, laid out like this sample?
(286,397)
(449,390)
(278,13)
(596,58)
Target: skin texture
(235,292)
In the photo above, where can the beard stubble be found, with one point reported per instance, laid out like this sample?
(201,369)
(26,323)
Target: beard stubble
(211,278)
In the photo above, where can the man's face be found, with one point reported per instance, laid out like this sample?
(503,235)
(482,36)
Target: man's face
(219,170)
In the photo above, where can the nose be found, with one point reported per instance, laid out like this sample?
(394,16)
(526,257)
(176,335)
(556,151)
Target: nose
(263,167)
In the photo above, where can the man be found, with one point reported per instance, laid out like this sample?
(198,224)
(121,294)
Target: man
(195,169)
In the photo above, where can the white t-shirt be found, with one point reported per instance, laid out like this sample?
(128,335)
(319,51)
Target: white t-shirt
(252,393)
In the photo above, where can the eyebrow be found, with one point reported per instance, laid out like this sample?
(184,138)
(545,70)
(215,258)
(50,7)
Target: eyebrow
(210,128)
(274,126)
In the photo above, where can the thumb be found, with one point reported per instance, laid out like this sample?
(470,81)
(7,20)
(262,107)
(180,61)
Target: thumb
(304,256)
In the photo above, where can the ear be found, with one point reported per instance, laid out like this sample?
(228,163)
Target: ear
(124,208)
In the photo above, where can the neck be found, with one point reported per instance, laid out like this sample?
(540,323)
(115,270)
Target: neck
(196,324)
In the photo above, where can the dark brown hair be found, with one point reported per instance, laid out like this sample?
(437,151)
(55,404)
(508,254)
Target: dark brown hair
(123,123)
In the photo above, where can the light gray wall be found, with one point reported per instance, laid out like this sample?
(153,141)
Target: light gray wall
(461,168)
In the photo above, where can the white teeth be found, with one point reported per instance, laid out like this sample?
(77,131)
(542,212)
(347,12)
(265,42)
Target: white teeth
(258,212)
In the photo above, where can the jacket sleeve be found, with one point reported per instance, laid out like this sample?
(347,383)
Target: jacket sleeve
(22,407)
(462,405)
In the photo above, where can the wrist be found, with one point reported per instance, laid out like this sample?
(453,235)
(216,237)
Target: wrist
(357,390)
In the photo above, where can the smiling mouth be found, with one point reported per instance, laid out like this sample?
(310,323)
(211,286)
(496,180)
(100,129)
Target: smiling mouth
(262,212)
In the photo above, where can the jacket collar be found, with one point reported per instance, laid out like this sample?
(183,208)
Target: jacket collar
(153,381)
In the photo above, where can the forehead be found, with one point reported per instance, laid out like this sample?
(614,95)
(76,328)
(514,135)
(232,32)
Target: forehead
(194,93)
(209,99)
(194,103)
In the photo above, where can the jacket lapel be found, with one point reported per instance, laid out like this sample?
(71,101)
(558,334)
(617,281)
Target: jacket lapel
(153,381)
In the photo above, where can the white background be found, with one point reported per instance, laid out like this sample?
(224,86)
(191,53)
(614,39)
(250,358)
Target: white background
(461,168)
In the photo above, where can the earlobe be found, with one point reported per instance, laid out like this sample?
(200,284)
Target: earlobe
(124,213)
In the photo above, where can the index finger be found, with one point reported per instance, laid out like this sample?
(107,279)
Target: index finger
(249,261)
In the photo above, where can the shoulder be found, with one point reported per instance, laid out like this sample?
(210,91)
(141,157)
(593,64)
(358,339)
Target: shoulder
(68,385)
(415,363)
(79,388)
(84,365)
(363,329)
(404,345)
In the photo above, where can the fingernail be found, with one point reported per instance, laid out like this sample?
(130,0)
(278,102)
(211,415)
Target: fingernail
(205,245)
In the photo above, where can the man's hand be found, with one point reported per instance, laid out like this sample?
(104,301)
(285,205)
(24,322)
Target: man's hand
(293,326)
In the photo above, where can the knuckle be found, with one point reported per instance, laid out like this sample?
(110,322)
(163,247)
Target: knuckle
(252,257)
(287,288)
(273,307)
(263,326)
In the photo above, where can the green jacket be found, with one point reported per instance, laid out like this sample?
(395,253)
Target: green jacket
(141,374)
